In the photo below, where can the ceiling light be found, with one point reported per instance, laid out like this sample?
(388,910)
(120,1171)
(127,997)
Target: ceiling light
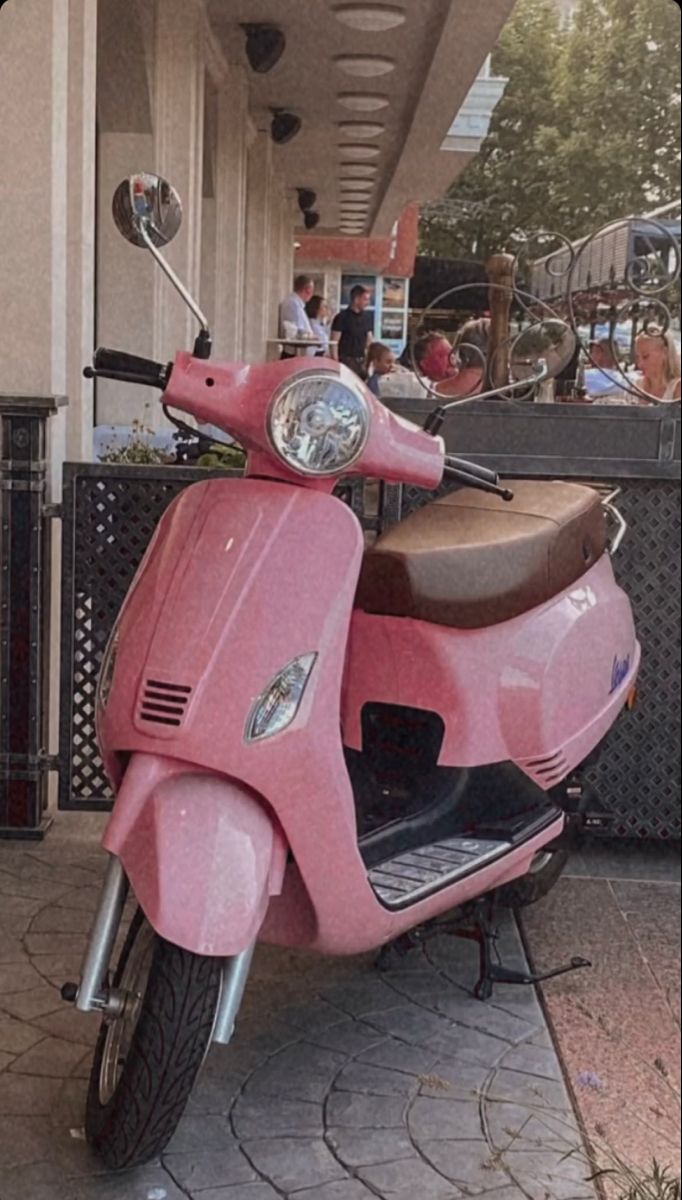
(356,150)
(365,66)
(356,185)
(370,18)
(357,171)
(362,101)
(361,129)
(307,199)
(285,126)
(265,45)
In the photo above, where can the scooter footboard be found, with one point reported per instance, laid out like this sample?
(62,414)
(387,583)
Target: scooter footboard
(202,853)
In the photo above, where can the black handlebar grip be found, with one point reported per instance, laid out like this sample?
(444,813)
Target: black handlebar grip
(118,362)
(461,464)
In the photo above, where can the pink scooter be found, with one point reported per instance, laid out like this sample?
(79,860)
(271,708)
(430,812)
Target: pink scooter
(318,744)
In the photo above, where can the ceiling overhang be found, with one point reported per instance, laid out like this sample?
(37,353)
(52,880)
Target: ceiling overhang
(378,87)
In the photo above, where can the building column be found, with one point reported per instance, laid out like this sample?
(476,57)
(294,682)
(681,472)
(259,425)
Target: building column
(287,232)
(125,273)
(125,283)
(81,216)
(258,248)
(46,235)
(33,201)
(231,202)
(178,123)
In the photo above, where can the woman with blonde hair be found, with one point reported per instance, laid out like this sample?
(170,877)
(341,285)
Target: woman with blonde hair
(658,363)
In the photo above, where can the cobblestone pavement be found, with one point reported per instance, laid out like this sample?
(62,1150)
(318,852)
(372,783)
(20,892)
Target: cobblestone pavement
(342,1084)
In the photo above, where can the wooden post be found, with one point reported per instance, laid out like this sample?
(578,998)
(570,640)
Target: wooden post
(501,272)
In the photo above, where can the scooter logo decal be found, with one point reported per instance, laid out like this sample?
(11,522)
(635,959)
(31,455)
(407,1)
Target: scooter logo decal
(619,673)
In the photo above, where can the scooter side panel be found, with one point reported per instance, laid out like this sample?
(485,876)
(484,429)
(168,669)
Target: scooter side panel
(548,683)
(244,576)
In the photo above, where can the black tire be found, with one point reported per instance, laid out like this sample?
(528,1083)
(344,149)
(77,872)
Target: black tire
(531,888)
(167,1048)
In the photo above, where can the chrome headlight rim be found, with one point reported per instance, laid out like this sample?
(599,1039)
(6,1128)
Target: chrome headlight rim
(346,379)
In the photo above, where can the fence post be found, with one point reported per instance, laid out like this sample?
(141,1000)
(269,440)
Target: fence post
(24,615)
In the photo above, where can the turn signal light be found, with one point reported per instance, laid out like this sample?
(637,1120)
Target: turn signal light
(276,708)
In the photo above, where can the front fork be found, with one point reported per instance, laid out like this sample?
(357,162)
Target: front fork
(93,994)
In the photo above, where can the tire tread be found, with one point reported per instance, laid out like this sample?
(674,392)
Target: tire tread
(166,1054)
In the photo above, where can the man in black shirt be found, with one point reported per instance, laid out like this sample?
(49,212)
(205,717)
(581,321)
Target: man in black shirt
(352,331)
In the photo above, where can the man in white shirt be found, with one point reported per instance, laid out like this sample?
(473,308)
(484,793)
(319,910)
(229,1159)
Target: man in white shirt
(292,310)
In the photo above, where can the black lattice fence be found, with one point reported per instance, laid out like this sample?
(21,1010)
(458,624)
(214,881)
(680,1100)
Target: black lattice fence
(638,777)
(109,514)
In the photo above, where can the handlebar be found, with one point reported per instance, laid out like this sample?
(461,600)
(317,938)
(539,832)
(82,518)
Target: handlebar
(461,464)
(128,368)
(471,475)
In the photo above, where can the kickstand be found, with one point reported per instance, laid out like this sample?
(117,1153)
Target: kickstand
(480,927)
(483,930)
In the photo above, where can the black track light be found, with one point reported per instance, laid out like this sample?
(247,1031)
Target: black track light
(265,45)
(307,199)
(285,126)
(311,220)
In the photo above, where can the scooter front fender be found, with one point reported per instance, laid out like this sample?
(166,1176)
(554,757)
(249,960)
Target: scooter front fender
(203,854)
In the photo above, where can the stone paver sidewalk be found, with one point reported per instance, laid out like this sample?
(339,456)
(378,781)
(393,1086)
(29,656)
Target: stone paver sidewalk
(342,1084)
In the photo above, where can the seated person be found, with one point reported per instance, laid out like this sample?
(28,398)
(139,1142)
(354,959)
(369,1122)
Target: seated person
(604,376)
(658,363)
(380,362)
(457,370)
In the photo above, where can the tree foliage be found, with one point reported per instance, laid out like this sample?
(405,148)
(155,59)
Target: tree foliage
(588,130)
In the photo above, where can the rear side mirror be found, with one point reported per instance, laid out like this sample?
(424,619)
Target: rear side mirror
(147,208)
(147,211)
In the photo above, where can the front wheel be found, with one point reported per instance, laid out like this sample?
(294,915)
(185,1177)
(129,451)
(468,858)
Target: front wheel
(545,873)
(147,1059)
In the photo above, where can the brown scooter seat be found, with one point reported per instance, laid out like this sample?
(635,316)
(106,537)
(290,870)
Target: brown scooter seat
(471,560)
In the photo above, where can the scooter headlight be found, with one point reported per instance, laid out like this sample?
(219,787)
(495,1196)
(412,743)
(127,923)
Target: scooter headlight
(319,422)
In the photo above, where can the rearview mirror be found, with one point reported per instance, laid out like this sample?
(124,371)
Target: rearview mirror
(147,204)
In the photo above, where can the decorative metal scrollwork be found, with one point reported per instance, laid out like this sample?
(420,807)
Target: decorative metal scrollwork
(562,294)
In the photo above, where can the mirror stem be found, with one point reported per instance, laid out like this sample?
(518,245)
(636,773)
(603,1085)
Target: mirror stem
(202,345)
(435,419)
